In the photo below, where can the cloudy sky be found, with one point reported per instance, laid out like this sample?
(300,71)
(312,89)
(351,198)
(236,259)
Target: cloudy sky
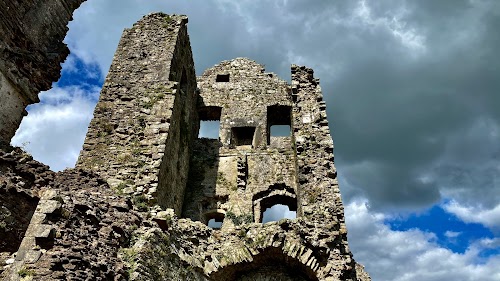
(413,96)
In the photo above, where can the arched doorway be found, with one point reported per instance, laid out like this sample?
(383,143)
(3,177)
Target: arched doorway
(269,265)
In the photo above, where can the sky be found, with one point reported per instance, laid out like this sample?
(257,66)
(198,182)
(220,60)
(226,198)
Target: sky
(413,101)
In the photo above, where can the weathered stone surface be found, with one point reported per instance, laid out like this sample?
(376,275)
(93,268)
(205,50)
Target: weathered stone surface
(76,231)
(145,121)
(31,51)
(145,187)
(21,179)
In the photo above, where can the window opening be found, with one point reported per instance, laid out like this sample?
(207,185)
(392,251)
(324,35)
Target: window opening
(280,131)
(209,129)
(213,223)
(279,121)
(222,78)
(209,122)
(278,212)
(215,220)
(242,135)
(277,207)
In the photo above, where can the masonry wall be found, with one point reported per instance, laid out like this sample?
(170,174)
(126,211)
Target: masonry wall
(31,51)
(236,181)
(21,179)
(141,154)
(12,108)
(232,173)
(140,137)
(317,177)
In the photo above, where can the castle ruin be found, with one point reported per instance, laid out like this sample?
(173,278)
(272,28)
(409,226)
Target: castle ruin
(139,202)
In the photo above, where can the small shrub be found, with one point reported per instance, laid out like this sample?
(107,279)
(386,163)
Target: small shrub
(23,272)
(241,219)
(141,202)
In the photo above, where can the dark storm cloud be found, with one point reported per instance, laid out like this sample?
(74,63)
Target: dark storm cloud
(403,81)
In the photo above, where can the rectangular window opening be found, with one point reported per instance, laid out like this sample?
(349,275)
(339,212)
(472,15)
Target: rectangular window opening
(279,121)
(209,122)
(242,135)
(222,78)
(209,129)
(280,131)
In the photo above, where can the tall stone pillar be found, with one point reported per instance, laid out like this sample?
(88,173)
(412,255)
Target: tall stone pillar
(145,121)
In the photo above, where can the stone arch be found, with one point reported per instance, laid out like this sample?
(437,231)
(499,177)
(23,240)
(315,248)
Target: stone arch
(275,194)
(271,263)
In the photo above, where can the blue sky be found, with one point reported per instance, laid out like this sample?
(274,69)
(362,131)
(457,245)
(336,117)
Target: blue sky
(412,98)
(451,232)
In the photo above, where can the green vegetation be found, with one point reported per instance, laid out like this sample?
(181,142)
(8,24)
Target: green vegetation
(154,96)
(221,180)
(241,219)
(119,189)
(166,20)
(141,202)
(124,158)
(23,272)
(104,128)
(135,147)
(130,256)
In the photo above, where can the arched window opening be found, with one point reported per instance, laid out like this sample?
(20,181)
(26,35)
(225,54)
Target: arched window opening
(278,212)
(209,122)
(277,207)
(214,220)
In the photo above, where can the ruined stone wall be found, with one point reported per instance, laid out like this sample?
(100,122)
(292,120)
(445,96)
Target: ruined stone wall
(76,231)
(238,180)
(317,176)
(31,51)
(141,134)
(243,162)
(21,179)
(117,215)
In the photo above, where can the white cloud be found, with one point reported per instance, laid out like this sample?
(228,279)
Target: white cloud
(413,255)
(278,212)
(452,234)
(393,22)
(54,130)
(489,217)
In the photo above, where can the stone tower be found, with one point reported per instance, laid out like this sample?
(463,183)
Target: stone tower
(143,141)
(146,187)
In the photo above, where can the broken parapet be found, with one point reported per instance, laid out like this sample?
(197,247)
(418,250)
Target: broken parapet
(31,51)
(141,134)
